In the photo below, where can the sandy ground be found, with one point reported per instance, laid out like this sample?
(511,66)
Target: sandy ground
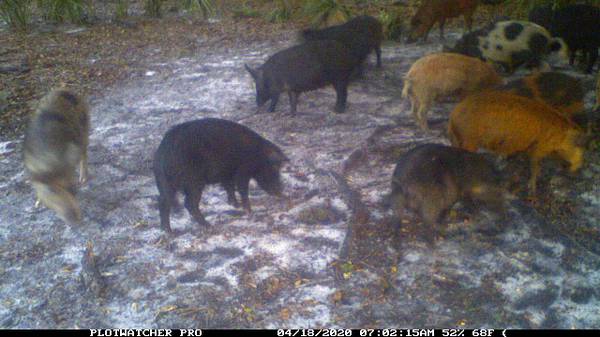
(327,258)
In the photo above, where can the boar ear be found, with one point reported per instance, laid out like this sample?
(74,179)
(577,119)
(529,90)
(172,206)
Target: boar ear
(252,72)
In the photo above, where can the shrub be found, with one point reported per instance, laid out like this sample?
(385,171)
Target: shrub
(281,13)
(153,8)
(62,10)
(205,7)
(16,13)
(326,12)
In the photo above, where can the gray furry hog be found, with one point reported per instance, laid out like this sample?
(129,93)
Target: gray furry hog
(55,144)
(213,151)
(305,67)
(511,44)
(431,178)
(361,35)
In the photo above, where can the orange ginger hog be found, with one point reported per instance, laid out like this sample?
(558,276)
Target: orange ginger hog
(442,75)
(505,124)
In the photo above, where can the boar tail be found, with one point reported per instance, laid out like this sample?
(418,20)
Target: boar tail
(407,86)
(453,135)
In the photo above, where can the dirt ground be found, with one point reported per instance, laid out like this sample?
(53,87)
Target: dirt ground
(326,258)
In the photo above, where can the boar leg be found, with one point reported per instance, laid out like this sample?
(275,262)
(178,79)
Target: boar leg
(421,113)
(83,168)
(341,89)
(535,171)
(468,21)
(242,182)
(229,187)
(192,201)
(592,57)
(442,23)
(164,207)
(293,101)
(378,52)
(273,103)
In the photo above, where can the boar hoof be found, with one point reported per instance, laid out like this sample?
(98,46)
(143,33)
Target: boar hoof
(339,109)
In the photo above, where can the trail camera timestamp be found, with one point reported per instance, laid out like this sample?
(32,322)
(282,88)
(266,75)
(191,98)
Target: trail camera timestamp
(426,333)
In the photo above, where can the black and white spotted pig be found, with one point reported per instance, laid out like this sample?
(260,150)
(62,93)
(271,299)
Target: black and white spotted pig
(511,44)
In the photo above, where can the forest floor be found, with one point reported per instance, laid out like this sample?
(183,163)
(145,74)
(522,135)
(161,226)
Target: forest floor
(328,257)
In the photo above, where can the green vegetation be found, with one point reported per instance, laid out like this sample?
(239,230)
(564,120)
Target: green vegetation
(206,8)
(153,8)
(62,10)
(19,14)
(326,12)
(281,13)
(244,11)
(392,24)
(16,13)
(121,10)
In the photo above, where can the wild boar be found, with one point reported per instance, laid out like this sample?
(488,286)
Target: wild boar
(56,142)
(431,178)
(511,44)
(361,35)
(431,12)
(505,124)
(305,67)
(445,74)
(577,25)
(213,151)
(559,90)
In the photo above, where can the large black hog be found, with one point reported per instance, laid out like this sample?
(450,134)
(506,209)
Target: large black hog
(431,178)
(578,25)
(213,151)
(305,67)
(361,35)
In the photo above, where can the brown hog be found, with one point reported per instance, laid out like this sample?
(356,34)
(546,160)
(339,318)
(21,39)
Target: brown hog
(437,11)
(561,91)
(505,124)
(441,75)
(55,144)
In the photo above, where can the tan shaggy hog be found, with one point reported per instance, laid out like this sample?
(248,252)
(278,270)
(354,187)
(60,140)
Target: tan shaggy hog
(505,124)
(55,144)
(442,75)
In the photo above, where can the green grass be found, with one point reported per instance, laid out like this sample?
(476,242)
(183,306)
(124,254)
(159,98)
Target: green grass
(62,10)
(153,8)
(282,13)
(16,13)
(326,12)
(244,11)
(206,8)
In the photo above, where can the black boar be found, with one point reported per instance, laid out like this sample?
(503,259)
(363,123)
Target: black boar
(213,151)
(361,35)
(431,178)
(561,91)
(305,67)
(511,44)
(578,25)
(55,143)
